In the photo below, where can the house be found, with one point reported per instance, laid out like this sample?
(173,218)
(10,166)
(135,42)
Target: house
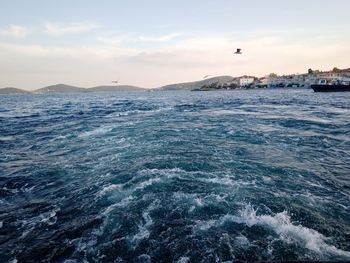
(245,81)
(329,75)
(264,80)
(346,72)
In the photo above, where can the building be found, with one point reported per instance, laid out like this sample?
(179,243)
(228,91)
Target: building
(245,81)
(329,75)
(263,82)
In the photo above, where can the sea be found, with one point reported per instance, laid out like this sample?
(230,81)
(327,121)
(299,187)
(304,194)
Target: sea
(178,176)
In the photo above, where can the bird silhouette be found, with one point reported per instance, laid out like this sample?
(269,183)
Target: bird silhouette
(206,76)
(238,51)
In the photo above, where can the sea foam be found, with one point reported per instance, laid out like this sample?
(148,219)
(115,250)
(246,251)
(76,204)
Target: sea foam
(282,225)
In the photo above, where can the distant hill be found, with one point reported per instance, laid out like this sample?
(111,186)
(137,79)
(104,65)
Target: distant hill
(197,84)
(8,91)
(115,88)
(59,88)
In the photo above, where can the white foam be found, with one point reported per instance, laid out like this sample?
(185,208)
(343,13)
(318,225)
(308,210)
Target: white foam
(199,201)
(1,224)
(109,188)
(123,203)
(7,138)
(205,225)
(190,198)
(134,112)
(267,179)
(183,260)
(227,181)
(146,183)
(60,137)
(98,131)
(281,224)
(231,112)
(143,233)
(242,241)
(217,198)
(143,228)
(49,218)
(174,172)
(191,209)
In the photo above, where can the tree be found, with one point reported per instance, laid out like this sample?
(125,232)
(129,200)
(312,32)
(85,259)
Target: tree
(273,75)
(233,85)
(336,70)
(214,85)
(310,71)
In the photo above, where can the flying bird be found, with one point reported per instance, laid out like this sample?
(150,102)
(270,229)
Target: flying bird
(238,51)
(206,76)
(115,81)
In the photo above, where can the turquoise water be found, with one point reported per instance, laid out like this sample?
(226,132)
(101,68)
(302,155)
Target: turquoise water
(175,176)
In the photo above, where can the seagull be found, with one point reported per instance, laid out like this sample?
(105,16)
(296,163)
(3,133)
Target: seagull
(206,76)
(115,81)
(238,51)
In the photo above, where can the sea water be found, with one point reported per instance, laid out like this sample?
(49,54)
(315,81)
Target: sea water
(175,176)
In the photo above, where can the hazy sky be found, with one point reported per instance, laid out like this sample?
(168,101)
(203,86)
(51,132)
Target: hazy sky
(152,43)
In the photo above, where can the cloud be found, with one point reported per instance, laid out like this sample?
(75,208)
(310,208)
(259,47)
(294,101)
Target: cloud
(82,53)
(31,66)
(15,31)
(57,30)
(134,39)
(35,66)
(164,38)
(113,40)
(189,53)
(261,55)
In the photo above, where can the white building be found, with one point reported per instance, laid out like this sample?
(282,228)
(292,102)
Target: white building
(265,80)
(245,81)
(332,76)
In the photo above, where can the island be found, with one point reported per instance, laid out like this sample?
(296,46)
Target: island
(272,80)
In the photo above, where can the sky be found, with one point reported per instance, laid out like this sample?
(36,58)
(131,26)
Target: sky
(153,43)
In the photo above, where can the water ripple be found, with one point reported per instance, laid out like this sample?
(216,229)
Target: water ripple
(175,177)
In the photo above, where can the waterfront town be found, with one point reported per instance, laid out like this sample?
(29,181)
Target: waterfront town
(285,81)
(331,78)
